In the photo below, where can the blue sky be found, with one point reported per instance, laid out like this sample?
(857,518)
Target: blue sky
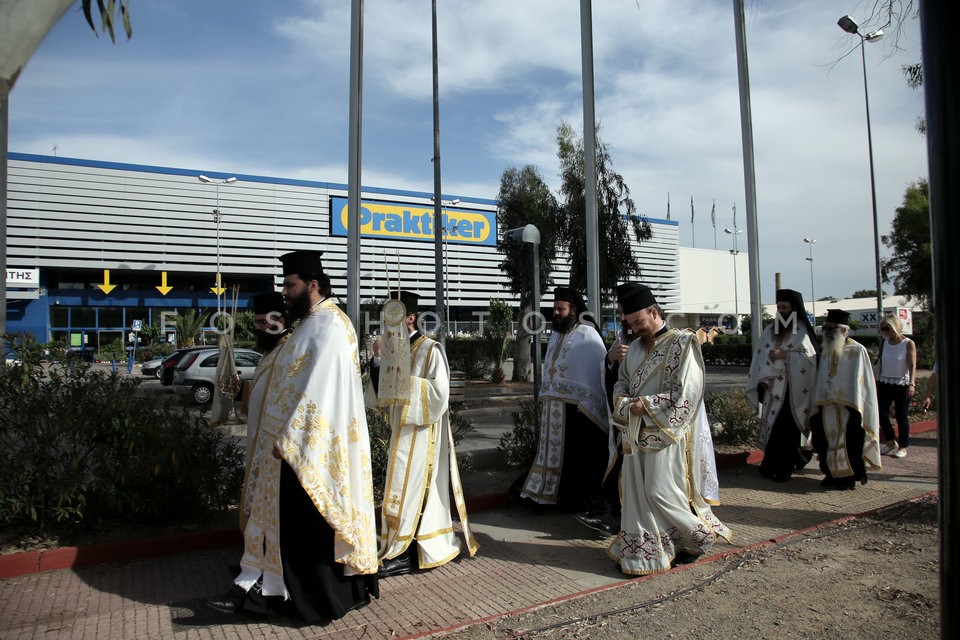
(261,87)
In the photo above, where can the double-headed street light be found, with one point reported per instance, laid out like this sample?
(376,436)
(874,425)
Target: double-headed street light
(216,218)
(736,289)
(850,26)
(813,297)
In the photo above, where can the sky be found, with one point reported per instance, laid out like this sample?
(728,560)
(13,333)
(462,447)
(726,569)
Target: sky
(260,87)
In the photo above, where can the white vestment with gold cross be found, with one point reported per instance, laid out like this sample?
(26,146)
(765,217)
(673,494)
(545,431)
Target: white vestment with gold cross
(312,412)
(422,467)
(664,511)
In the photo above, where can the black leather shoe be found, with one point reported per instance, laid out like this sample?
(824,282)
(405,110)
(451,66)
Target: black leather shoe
(224,603)
(683,557)
(595,522)
(395,567)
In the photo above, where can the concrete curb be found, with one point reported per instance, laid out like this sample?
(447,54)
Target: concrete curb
(29,562)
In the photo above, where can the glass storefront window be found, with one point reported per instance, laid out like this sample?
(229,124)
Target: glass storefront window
(111,317)
(83,317)
(59,317)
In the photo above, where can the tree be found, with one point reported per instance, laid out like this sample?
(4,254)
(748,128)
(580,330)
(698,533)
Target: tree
(616,215)
(866,293)
(524,199)
(495,332)
(188,326)
(909,239)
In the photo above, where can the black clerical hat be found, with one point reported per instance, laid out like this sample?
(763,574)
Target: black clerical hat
(302,262)
(409,299)
(570,296)
(837,316)
(634,296)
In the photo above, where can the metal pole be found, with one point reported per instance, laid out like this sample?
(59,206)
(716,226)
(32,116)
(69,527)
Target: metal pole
(537,356)
(4,123)
(437,204)
(873,183)
(813,296)
(589,161)
(749,174)
(941,59)
(353,165)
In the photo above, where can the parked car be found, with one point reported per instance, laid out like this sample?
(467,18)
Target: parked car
(168,366)
(151,368)
(196,372)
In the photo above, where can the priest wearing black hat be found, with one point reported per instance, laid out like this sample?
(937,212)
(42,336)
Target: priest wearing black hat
(783,373)
(309,529)
(571,457)
(845,426)
(666,516)
(412,381)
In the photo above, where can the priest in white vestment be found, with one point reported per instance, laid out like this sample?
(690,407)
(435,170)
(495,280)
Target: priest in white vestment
(572,452)
(658,400)
(783,374)
(846,424)
(412,380)
(309,532)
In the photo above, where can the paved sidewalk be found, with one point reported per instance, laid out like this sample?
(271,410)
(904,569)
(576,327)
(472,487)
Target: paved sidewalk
(524,561)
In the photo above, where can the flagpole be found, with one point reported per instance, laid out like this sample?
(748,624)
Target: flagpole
(713,220)
(693,228)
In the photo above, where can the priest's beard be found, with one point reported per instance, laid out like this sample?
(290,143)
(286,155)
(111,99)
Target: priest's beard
(266,341)
(563,325)
(299,307)
(833,340)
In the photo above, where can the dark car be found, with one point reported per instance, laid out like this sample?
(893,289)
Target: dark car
(151,368)
(170,364)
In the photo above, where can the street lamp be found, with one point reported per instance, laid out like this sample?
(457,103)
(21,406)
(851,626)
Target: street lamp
(850,26)
(736,289)
(446,230)
(813,296)
(216,218)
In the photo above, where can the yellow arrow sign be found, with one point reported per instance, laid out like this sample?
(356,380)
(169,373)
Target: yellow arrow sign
(163,288)
(218,290)
(106,287)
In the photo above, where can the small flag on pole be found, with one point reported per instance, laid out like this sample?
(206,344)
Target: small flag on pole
(691,209)
(734,215)
(713,214)
(668,205)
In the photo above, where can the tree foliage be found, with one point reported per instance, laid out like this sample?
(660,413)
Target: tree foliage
(524,199)
(616,215)
(909,239)
(108,12)
(866,293)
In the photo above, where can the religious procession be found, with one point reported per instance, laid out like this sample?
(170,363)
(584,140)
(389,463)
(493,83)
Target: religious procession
(624,444)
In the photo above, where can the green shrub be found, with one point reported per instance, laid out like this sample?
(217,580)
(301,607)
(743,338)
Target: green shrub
(733,420)
(737,353)
(519,446)
(467,355)
(78,445)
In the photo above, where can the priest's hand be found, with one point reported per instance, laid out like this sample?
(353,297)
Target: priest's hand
(637,408)
(777,354)
(618,351)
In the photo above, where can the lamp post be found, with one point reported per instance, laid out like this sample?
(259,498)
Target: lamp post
(446,229)
(850,26)
(216,218)
(736,288)
(813,297)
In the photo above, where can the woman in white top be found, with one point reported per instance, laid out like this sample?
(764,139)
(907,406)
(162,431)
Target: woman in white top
(895,383)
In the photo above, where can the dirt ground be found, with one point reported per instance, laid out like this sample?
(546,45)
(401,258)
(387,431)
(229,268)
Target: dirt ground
(872,577)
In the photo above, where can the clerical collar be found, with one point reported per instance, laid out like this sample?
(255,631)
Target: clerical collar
(414,336)
(662,330)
